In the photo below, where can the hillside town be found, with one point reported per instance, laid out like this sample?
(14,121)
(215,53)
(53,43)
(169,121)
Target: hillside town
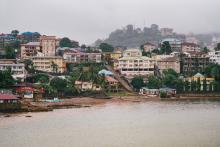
(48,69)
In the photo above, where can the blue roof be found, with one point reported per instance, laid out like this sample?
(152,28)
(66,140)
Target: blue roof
(105,72)
(30,33)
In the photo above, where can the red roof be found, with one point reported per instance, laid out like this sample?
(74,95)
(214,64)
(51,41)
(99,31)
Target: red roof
(110,79)
(7,97)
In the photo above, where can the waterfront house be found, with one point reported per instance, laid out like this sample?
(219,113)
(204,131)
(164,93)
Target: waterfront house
(149,92)
(87,85)
(9,102)
(203,80)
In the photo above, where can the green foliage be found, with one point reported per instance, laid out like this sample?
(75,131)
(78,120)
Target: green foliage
(204,85)
(38,78)
(213,70)
(29,66)
(187,86)
(137,82)
(65,42)
(165,48)
(170,72)
(9,52)
(154,82)
(148,54)
(205,49)
(106,47)
(14,33)
(218,47)
(58,83)
(163,95)
(6,80)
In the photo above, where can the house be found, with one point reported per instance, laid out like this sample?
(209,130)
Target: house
(9,102)
(189,47)
(112,85)
(170,92)
(84,86)
(132,53)
(105,72)
(214,57)
(30,49)
(116,55)
(8,98)
(149,47)
(49,64)
(149,92)
(203,80)
(18,69)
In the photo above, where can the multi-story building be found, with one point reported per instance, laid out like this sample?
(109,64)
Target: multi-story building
(30,49)
(148,47)
(133,63)
(175,44)
(190,47)
(214,57)
(76,56)
(18,69)
(166,31)
(48,44)
(194,62)
(49,64)
(168,63)
(116,55)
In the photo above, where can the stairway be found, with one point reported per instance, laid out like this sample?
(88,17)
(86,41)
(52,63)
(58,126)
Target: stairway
(122,81)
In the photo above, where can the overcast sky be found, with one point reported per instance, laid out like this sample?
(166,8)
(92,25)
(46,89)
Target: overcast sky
(88,20)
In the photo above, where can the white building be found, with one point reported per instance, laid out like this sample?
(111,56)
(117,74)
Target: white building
(133,63)
(214,57)
(18,70)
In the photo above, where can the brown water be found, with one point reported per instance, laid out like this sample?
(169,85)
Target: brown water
(151,124)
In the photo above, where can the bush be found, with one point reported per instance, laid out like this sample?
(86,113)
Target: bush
(163,95)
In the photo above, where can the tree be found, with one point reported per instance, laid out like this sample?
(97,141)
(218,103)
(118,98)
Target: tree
(171,72)
(205,49)
(14,33)
(9,52)
(6,79)
(29,66)
(166,48)
(59,84)
(137,82)
(198,85)
(215,72)
(154,82)
(217,48)
(65,42)
(106,47)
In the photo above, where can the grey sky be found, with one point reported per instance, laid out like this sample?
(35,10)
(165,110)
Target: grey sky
(88,20)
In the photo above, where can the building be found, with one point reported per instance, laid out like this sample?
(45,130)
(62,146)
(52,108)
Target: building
(190,47)
(199,77)
(214,57)
(116,55)
(132,53)
(133,63)
(174,43)
(194,62)
(166,32)
(76,56)
(112,85)
(84,86)
(30,49)
(168,63)
(18,69)
(48,44)
(149,47)
(49,64)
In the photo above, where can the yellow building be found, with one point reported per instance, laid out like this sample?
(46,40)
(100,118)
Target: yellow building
(49,64)
(200,77)
(116,55)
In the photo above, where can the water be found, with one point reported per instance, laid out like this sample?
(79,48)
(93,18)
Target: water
(151,124)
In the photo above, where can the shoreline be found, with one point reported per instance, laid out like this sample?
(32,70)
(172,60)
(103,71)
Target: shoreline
(82,102)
